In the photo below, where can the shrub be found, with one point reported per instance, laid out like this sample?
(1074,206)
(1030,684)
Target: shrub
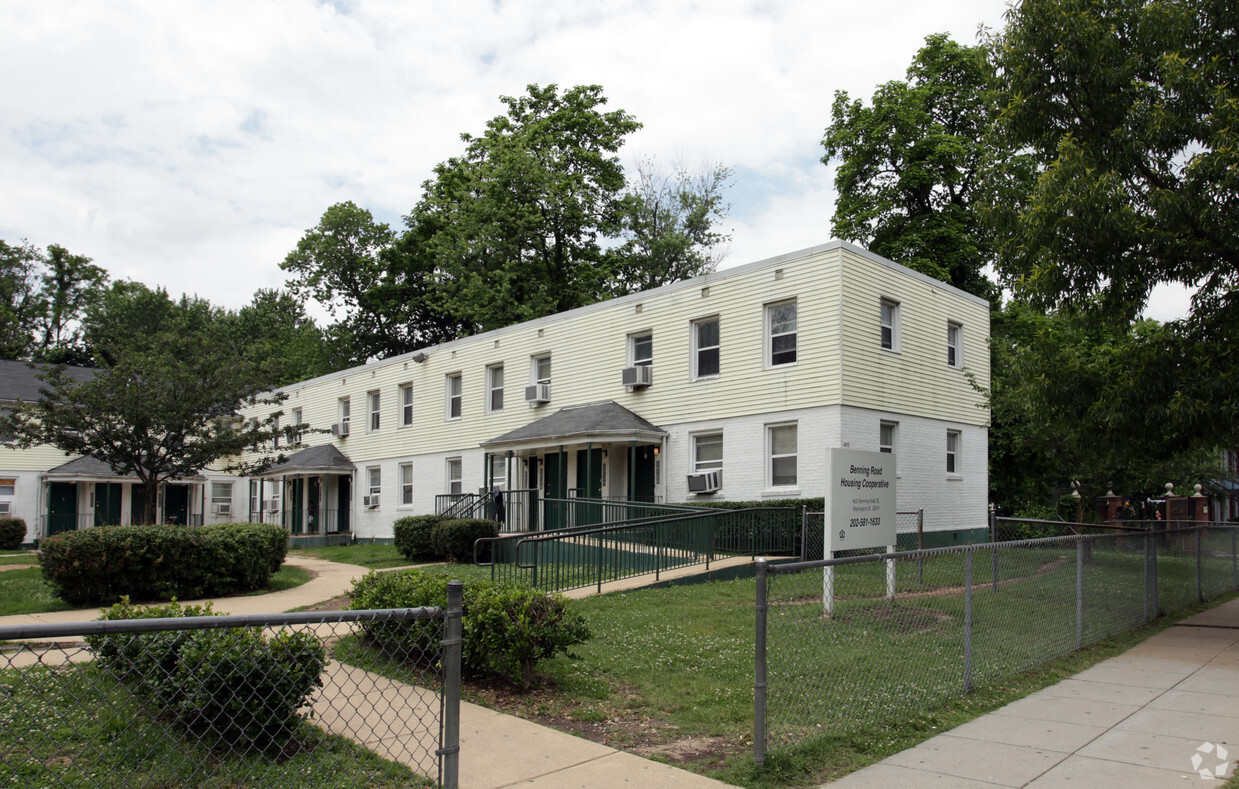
(12,533)
(413,535)
(232,683)
(507,630)
(97,566)
(454,538)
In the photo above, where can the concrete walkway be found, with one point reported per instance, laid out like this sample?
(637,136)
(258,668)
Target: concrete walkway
(1151,717)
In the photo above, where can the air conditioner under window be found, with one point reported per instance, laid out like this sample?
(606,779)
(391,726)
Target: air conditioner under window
(370,502)
(222,508)
(538,393)
(707,482)
(639,376)
(340,429)
(271,505)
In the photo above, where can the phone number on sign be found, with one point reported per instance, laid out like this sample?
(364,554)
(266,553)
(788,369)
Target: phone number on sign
(860,523)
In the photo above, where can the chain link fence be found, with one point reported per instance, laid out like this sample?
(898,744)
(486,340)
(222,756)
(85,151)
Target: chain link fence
(291,700)
(909,532)
(905,632)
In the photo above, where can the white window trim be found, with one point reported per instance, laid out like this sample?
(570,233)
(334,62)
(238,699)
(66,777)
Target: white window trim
(447,396)
(697,348)
(460,467)
(6,509)
(371,488)
(533,368)
(632,348)
(958,345)
(405,392)
(894,444)
(374,411)
(491,369)
(406,487)
(345,409)
(13,492)
(697,467)
(767,331)
(296,418)
(955,455)
(770,457)
(894,326)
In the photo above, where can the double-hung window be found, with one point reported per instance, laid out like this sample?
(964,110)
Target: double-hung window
(781,329)
(890,325)
(406,483)
(952,452)
(705,348)
(781,443)
(499,471)
(296,436)
(406,405)
(453,476)
(494,389)
(374,476)
(886,436)
(275,431)
(542,369)
(641,349)
(707,452)
(375,402)
(954,345)
(454,389)
(345,415)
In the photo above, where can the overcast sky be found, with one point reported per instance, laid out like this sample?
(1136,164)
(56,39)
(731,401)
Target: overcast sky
(191,144)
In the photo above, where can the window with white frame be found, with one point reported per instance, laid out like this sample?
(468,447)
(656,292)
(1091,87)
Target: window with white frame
(374,476)
(406,405)
(6,508)
(255,499)
(8,487)
(346,411)
(275,431)
(296,436)
(541,369)
(406,483)
(454,467)
(375,403)
(952,452)
(641,349)
(454,390)
(887,434)
(707,452)
(499,471)
(781,329)
(890,325)
(954,345)
(705,348)
(494,389)
(221,497)
(781,441)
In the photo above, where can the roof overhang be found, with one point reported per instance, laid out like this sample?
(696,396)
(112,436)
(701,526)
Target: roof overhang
(325,459)
(607,422)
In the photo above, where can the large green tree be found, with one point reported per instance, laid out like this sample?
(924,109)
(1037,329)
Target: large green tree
(284,343)
(911,165)
(21,303)
(1132,109)
(162,406)
(69,284)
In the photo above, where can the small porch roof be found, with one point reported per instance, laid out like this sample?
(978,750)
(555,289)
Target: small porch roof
(601,422)
(324,459)
(91,469)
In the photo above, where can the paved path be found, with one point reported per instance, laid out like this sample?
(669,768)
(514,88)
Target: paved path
(1130,722)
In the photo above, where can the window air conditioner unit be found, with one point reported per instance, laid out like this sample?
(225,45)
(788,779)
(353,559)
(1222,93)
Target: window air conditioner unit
(370,502)
(709,482)
(538,393)
(639,377)
(340,429)
(271,505)
(222,508)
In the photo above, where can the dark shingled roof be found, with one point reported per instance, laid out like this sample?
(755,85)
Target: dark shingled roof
(607,421)
(18,381)
(321,458)
(88,466)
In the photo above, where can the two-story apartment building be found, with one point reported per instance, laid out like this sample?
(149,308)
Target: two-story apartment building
(729,386)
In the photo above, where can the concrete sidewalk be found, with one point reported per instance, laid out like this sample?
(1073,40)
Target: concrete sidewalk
(1151,717)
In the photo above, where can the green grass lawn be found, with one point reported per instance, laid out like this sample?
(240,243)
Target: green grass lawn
(76,727)
(23,557)
(376,557)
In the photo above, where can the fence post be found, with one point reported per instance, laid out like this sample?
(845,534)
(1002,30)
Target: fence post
(600,541)
(920,545)
(968,619)
(890,573)
(759,681)
(993,538)
(1148,544)
(1157,602)
(658,550)
(1080,593)
(804,533)
(452,644)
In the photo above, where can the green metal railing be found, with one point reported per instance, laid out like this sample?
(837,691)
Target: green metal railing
(581,557)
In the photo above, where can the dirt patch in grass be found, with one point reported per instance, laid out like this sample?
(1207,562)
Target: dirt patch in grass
(340,603)
(4,567)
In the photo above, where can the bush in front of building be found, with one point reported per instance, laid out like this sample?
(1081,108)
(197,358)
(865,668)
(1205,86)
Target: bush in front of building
(454,538)
(414,536)
(100,565)
(507,629)
(195,674)
(12,532)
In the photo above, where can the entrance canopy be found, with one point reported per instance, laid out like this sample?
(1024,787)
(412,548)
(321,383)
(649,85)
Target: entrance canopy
(325,459)
(597,422)
(89,469)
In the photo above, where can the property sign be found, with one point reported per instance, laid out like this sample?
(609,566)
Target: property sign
(860,505)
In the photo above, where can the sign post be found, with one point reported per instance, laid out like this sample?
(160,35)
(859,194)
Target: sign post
(860,510)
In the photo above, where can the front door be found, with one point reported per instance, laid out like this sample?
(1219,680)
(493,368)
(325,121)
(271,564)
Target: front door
(314,497)
(589,485)
(344,502)
(176,504)
(643,474)
(137,506)
(107,503)
(297,505)
(553,490)
(61,507)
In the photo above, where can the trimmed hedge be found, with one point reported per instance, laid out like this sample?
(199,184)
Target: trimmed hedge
(97,566)
(454,538)
(413,536)
(199,675)
(507,629)
(12,533)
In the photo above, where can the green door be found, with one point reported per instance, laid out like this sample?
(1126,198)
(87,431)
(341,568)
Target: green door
(296,507)
(176,504)
(643,474)
(589,483)
(107,503)
(314,518)
(344,503)
(61,507)
(553,487)
(137,505)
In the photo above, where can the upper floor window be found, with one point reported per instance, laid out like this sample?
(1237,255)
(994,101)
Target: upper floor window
(781,443)
(890,325)
(375,409)
(886,436)
(275,431)
(952,452)
(454,389)
(296,422)
(954,345)
(641,349)
(705,348)
(406,405)
(781,323)
(494,388)
(707,452)
(541,369)
(345,411)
